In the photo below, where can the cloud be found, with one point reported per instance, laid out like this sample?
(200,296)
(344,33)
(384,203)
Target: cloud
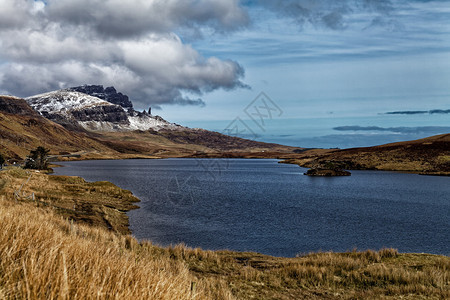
(331,14)
(16,14)
(419,112)
(131,45)
(135,17)
(136,45)
(439,111)
(405,130)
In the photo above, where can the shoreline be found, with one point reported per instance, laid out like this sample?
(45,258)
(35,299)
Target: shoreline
(123,208)
(418,172)
(99,203)
(279,161)
(307,159)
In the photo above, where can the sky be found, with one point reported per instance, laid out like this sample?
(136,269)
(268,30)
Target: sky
(307,73)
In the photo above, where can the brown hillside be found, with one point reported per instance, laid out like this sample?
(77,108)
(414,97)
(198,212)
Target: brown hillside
(16,106)
(429,156)
(188,143)
(23,129)
(221,142)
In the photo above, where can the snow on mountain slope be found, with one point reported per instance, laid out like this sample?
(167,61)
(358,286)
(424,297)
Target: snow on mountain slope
(146,122)
(64,101)
(134,123)
(71,108)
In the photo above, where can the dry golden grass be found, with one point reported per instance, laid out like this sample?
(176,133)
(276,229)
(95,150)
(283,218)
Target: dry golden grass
(95,203)
(43,255)
(383,274)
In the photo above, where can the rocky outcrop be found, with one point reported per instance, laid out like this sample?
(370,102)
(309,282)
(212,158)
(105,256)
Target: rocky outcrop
(111,113)
(327,172)
(108,94)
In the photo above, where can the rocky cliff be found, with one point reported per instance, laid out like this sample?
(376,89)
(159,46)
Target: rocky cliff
(108,94)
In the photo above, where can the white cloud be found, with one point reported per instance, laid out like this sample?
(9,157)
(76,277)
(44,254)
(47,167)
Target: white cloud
(128,44)
(135,45)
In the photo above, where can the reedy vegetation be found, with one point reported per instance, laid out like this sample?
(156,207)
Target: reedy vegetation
(45,256)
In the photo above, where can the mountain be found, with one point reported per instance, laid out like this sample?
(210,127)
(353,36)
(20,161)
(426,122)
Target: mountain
(74,109)
(427,156)
(109,117)
(75,125)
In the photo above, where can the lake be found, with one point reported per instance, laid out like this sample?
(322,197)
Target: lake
(272,208)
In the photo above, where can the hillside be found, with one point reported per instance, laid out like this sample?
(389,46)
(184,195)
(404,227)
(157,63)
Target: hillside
(22,129)
(428,156)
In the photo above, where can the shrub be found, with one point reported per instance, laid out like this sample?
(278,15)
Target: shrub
(38,159)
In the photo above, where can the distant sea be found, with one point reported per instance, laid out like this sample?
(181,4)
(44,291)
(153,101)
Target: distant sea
(316,132)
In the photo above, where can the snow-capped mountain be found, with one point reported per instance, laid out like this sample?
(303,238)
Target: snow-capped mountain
(72,109)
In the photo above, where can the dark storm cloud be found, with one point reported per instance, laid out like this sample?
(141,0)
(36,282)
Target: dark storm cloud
(134,17)
(128,44)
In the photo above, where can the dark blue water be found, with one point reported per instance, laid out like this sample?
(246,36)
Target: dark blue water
(267,207)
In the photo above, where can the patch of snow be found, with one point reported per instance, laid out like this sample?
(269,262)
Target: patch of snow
(149,122)
(143,123)
(64,101)
(101,126)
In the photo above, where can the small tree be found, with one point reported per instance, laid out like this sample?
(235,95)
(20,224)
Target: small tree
(38,159)
(2,161)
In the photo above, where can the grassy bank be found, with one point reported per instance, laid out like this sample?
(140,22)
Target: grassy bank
(43,255)
(429,156)
(100,204)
